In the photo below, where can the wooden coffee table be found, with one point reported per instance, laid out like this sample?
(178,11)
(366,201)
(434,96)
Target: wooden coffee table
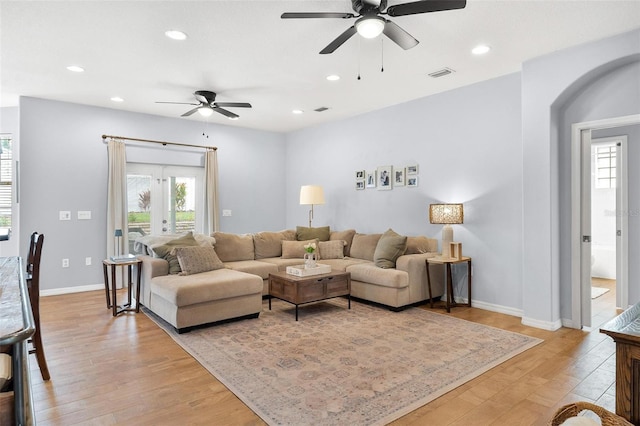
(301,290)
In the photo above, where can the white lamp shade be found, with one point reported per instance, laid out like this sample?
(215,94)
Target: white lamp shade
(370,27)
(311,194)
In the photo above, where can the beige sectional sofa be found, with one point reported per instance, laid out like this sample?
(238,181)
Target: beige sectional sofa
(385,268)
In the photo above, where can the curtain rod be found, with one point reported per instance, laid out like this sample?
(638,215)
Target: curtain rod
(104,137)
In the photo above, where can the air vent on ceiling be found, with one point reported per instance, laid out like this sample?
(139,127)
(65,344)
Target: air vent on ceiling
(441,73)
(321,109)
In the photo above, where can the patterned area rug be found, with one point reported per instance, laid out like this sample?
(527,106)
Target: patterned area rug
(364,366)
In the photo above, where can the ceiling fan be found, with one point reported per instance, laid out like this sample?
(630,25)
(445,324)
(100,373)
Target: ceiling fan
(207,105)
(370,24)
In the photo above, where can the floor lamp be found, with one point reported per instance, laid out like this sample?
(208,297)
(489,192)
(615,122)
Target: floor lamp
(447,215)
(310,195)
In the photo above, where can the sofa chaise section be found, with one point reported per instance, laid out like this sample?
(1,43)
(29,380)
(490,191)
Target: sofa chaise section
(206,297)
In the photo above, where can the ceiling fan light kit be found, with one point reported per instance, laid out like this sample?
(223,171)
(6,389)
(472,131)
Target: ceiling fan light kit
(205,111)
(370,26)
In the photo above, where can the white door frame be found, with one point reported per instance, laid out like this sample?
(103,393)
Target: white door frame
(579,284)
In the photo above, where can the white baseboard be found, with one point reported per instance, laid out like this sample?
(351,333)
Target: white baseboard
(496,308)
(69,290)
(545,325)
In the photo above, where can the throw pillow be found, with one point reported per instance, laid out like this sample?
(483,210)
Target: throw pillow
(364,246)
(295,249)
(419,245)
(234,247)
(269,244)
(304,233)
(194,260)
(6,371)
(390,247)
(346,236)
(164,251)
(331,249)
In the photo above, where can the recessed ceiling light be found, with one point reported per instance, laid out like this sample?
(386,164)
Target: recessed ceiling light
(297,111)
(117,99)
(480,49)
(75,68)
(175,35)
(333,77)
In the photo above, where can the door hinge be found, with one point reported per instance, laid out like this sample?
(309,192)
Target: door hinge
(586,238)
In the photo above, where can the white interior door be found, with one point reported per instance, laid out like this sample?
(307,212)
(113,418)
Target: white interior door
(580,251)
(585,227)
(622,225)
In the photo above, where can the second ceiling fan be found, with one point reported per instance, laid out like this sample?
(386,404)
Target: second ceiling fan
(370,23)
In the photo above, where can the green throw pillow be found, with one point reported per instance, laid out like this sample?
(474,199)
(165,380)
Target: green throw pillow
(164,251)
(390,247)
(304,233)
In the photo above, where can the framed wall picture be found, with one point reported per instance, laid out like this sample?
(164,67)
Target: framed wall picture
(359,184)
(359,175)
(412,169)
(371,179)
(384,177)
(398,176)
(412,180)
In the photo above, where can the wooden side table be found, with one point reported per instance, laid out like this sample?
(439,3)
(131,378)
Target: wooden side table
(129,264)
(625,331)
(447,262)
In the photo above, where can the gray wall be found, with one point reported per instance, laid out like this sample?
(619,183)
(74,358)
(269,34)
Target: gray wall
(64,167)
(467,145)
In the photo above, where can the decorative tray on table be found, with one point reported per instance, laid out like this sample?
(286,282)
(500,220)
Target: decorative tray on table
(301,271)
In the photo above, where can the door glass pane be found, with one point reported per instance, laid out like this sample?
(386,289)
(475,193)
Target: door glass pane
(181,204)
(139,206)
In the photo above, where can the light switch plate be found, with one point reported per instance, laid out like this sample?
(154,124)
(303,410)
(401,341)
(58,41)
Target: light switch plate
(84,214)
(226,212)
(65,215)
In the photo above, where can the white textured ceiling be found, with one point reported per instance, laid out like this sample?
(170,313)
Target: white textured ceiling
(243,51)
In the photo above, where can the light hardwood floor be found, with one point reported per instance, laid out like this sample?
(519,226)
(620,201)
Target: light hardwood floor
(126,370)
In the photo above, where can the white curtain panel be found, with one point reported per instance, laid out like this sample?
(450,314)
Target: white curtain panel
(117,197)
(211,213)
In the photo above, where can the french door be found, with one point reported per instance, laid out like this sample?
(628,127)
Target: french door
(164,199)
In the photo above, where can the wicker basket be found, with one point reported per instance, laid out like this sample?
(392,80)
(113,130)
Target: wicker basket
(607,418)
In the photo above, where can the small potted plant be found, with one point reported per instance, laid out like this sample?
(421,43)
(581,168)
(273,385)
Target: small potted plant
(310,255)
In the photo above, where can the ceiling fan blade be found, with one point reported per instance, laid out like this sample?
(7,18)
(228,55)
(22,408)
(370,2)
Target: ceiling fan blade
(225,112)
(399,36)
(303,15)
(232,104)
(331,47)
(188,113)
(424,6)
(177,103)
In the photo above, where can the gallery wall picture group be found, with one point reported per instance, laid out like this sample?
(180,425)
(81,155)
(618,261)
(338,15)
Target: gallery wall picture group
(385,178)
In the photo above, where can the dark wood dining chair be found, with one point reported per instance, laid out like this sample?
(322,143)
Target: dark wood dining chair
(33,284)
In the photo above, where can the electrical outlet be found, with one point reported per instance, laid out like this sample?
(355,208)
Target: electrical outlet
(65,263)
(87,261)
(226,212)
(84,214)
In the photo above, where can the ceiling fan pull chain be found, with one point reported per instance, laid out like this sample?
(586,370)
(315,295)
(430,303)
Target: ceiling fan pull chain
(358,58)
(382,54)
